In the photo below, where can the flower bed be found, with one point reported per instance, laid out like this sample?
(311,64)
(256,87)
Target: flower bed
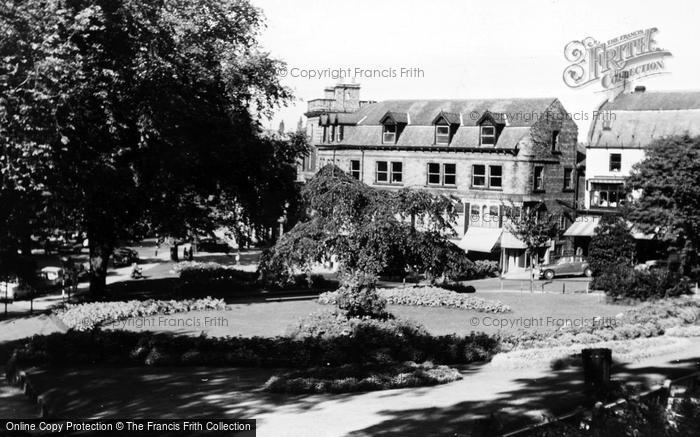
(626,351)
(428,296)
(650,319)
(86,316)
(345,379)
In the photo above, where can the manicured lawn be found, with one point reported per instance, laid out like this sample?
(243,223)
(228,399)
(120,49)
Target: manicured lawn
(538,312)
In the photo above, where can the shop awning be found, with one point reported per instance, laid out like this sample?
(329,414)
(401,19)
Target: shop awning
(510,241)
(480,239)
(584,226)
(607,180)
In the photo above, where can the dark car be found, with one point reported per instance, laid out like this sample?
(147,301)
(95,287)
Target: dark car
(213,245)
(566,266)
(124,257)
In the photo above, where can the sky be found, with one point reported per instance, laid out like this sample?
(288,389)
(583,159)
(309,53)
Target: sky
(467,49)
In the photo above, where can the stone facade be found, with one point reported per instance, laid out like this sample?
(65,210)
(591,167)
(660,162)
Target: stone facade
(524,164)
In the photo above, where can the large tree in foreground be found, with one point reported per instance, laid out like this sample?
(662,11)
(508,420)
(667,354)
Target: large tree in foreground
(367,230)
(134,116)
(667,184)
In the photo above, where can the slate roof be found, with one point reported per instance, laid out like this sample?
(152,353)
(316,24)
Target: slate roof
(450,117)
(640,118)
(521,112)
(421,136)
(398,117)
(655,101)
(519,115)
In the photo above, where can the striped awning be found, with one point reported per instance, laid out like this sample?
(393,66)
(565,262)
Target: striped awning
(584,226)
(480,239)
(607,180)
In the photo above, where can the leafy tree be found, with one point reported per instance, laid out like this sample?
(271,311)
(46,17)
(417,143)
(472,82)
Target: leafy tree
(134,117)
(611,246)
(366,229)
(534,227)
(668,184)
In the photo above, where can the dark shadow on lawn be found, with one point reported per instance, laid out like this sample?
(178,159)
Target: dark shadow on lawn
(179,392)
(175,288)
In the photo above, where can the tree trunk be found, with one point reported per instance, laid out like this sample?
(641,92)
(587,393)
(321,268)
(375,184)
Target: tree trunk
(26,245)
(99,259)
(532,270)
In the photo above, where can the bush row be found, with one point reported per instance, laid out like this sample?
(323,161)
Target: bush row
(345,379)
(428,296)
(626,283)
(213,276)
(86,316)
(366,342)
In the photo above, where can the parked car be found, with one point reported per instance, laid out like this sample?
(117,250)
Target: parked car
(124,257)
(566,266)
(52,276)
(70,247)
(653,264)
(213,245)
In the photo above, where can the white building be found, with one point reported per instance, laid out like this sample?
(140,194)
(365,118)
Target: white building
(621,131)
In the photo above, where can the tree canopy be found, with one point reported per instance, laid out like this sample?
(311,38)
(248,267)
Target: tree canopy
(367,230)
(135,116)
(667,189)
(612,245)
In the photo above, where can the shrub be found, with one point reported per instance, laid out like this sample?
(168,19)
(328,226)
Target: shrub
(330,324)
(641,417)
(367,342)
(457,287)
(358,297)
(205,272)
(428,296)
(86,316)
(349,378)
(612,246)
(620,283)
(485,269)
(460,268)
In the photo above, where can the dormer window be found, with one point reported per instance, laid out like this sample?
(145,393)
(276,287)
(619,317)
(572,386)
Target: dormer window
(488,135)
(491,124)
(389,134)
(446,124)
(442,134)
(393,124)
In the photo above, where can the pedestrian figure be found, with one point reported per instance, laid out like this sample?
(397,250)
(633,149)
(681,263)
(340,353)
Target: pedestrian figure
(136,271)
(185,256)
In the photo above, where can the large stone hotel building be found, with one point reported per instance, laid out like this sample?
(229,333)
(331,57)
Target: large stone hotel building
(493,156)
